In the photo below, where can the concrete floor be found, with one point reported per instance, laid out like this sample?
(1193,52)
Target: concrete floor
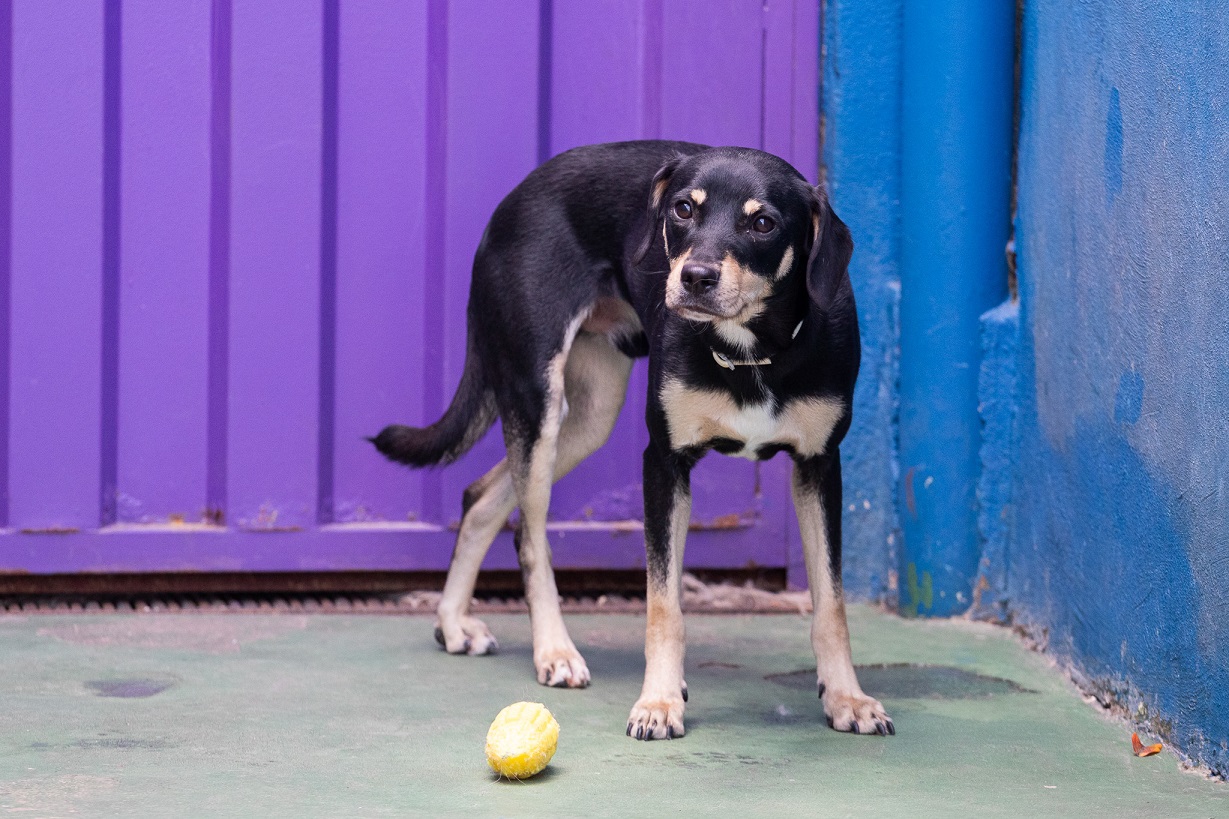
(361,715)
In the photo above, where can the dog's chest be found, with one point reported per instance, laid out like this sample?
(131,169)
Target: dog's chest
(700,417)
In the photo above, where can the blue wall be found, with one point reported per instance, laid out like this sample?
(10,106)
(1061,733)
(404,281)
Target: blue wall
(1119,552)
(1104,392)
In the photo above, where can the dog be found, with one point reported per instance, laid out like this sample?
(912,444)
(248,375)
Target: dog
(729,271)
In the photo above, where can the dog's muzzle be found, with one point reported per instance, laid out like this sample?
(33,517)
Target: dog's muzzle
(697,296)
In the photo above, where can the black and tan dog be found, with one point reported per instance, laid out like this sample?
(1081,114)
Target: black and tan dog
(728,271)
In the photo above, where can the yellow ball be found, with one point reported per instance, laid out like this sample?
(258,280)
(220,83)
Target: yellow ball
(522,740)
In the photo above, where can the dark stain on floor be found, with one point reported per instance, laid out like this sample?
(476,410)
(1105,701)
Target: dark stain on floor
(910,681)
(129,688)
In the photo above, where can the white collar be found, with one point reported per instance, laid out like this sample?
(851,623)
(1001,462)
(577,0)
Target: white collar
(726,362)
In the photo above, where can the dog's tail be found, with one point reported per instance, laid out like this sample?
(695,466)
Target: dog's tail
(467,419)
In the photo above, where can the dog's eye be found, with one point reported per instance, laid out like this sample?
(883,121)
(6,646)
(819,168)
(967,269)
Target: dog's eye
(763,224)
(682,209)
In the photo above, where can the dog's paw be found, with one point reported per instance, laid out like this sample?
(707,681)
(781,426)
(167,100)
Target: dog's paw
(465,635)
(656,719)
(561,668)
(855,713)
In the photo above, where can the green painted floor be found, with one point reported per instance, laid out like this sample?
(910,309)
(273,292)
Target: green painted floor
(356,715)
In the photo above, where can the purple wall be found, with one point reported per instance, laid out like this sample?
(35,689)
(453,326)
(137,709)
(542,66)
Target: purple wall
(239,238)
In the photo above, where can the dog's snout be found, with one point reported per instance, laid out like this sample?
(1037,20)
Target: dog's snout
(699,279)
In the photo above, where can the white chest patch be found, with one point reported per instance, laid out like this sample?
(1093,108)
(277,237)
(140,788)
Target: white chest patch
(696,417)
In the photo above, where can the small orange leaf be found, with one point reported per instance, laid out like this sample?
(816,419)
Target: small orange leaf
(1144,750)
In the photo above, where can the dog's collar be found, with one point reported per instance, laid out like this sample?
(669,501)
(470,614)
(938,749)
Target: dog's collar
(729,364)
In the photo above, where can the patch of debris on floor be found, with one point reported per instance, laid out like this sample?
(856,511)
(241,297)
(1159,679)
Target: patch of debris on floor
(699,597)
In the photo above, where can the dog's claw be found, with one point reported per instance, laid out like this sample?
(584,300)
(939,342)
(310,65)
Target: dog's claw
(684,693)
(562,668)
(657,719)
(468,635)
(856,713)
(822,689)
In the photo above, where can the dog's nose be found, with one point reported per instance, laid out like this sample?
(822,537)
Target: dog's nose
(699,279)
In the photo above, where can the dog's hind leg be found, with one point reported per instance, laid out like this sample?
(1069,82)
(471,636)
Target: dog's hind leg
(536,454)
(487,503)
(595,384)
(595,379)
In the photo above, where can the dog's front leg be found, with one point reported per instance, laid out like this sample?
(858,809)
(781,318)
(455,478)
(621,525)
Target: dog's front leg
(817,500)
(658,714)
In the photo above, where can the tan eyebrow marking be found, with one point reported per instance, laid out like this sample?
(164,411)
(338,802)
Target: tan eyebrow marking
(751,206)
(698,195)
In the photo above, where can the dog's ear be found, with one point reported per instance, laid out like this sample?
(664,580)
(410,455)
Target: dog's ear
(831,249)
(657,195)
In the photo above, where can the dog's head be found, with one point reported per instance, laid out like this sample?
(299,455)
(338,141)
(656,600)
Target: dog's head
(741,227)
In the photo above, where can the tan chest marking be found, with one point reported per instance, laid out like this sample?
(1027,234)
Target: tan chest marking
(696,417)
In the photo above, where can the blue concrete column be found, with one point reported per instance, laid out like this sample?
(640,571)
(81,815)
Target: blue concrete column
(861,159)
(956,109)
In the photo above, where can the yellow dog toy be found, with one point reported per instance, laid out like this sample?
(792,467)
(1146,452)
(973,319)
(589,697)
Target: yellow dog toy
(522,740)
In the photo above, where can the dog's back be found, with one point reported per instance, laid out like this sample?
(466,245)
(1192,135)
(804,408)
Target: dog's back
(554,246)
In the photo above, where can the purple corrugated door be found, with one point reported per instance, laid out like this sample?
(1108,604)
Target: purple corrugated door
(239,238)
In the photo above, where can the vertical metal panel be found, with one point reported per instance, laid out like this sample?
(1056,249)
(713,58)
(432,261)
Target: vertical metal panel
(164,275)
(712,83)
(219,258)
(778,79)
(497,94)
(598,96)
(791,88)
(712,72)
(6,257)
(381,283)
(804,122)
(55,443)
(275,264)
(109,384)
(326,401)
(597,73)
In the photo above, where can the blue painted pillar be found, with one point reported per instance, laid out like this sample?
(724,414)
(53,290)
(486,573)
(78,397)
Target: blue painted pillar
(861,157)
(956,108)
